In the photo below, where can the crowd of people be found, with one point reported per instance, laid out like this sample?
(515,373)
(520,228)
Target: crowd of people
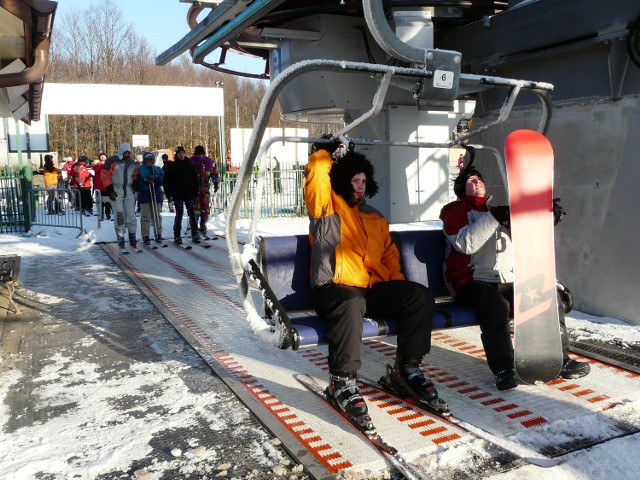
(125,189)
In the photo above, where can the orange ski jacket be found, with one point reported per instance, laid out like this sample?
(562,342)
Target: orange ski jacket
(349,245)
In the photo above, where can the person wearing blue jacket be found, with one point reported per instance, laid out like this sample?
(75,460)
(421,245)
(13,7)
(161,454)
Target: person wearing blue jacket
(150,180)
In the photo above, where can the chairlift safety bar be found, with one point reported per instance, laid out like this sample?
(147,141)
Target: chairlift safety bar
(468,83)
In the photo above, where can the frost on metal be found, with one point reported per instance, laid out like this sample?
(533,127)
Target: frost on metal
(249,252)
(260,327)
(263,329)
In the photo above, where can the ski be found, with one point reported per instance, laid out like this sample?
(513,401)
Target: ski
(149,245)
(393,457)
(180,245)
(124,251)
(160,243)
(517,450)
(438,406)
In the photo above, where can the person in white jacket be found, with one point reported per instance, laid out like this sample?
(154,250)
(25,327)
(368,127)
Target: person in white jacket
(119,174)
(479,273)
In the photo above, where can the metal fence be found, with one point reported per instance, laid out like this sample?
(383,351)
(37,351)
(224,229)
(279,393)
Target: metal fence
(23,205)
(57,207)
(12,211)
(281,197)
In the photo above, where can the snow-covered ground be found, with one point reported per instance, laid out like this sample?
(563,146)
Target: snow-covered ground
(25,450)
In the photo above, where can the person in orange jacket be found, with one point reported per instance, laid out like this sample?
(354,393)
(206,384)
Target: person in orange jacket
(355,271)
(52,180)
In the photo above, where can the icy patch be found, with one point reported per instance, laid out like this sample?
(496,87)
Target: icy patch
(605,329)
(71,440)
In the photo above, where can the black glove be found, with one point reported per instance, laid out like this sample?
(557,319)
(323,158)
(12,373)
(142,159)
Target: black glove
(565,296)
(329,146)
(501,214)
(558,211)
(111,192)
(215,187)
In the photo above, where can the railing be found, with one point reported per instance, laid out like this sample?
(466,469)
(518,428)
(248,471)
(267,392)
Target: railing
(56,207)
(283,196)
(12,215)
(22,205)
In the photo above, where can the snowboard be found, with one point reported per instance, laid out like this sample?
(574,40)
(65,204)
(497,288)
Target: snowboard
(537,342)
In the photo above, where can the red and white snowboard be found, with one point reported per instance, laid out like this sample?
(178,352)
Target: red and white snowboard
(537,341)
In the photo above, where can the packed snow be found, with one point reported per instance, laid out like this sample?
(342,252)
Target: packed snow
(90,443)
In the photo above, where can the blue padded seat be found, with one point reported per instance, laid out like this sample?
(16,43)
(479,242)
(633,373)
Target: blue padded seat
(285,264)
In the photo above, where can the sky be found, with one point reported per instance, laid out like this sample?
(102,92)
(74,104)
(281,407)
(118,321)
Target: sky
(163,23)
(95,429)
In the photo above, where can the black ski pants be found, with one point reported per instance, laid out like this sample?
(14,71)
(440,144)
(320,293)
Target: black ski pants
(191,213)
(344,308)
(493,304)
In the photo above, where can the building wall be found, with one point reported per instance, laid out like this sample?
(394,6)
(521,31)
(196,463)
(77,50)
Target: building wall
(596,149)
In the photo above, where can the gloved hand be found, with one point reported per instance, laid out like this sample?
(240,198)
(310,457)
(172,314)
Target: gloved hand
(329,147)
(565,297)
(111,192)
(151,178)
(216,187)
(558,211)
(501,214)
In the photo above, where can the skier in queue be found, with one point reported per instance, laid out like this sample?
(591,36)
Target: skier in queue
(479,273)
(355,271)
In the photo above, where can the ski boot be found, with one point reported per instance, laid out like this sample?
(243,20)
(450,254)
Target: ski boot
(177,237)
(146,241)
(132,240)
(407,380)
(344,395)
(121,245)
(195,238)
(159,238)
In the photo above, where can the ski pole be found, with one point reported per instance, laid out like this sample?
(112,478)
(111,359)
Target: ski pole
(154,208)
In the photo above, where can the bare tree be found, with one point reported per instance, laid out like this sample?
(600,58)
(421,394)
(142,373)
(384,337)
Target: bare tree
(97,45)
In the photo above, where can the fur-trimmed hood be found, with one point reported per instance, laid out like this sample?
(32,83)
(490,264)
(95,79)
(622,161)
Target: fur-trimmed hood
(343,171)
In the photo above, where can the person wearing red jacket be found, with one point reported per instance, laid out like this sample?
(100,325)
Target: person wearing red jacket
(355,271)
(98,186)
(479,273)
(82,179)
(67,176)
